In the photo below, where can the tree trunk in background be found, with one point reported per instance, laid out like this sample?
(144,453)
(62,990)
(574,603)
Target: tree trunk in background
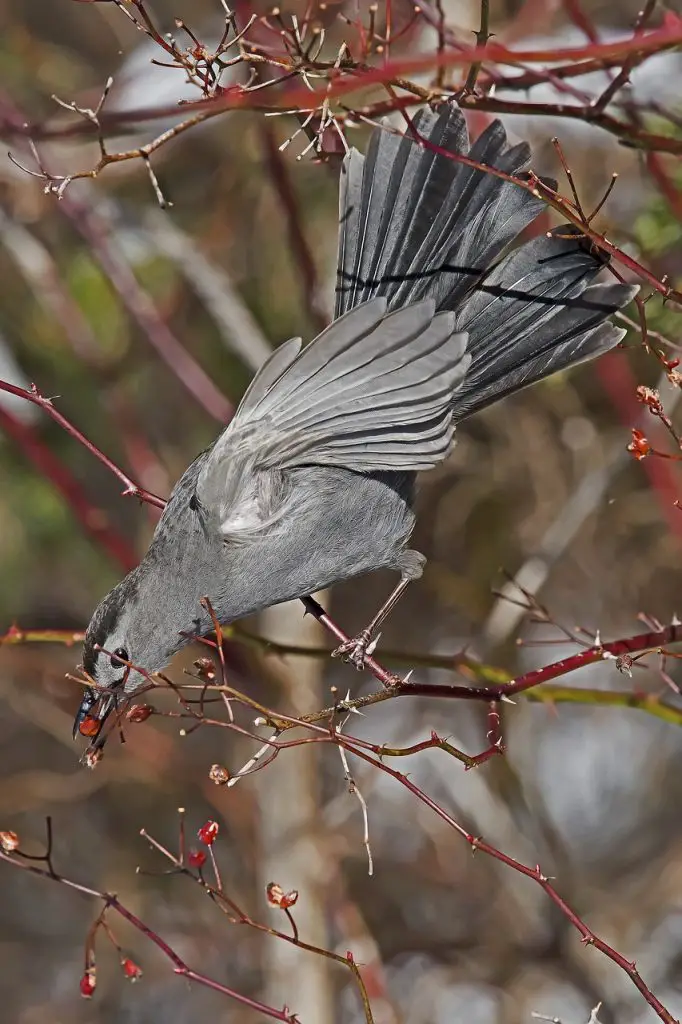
(291,847)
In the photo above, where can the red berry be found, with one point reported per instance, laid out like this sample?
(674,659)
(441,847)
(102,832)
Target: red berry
(131,969)
(87,985)
(208,833)
(89,726)
(196,858)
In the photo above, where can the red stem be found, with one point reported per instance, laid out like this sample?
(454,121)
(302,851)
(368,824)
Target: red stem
(181,967)
(612,650)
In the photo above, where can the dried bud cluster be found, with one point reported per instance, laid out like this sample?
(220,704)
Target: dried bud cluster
(9,841)
(279,898)
(205,668)
(219,774)
(639,446)
(651,398)
(624,664)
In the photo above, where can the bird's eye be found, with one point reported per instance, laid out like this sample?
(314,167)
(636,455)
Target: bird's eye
(119,653)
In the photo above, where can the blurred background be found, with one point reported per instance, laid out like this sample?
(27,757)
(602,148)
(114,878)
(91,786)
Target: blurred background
(104,297)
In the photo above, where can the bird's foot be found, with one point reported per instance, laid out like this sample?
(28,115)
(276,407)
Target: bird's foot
(356,650)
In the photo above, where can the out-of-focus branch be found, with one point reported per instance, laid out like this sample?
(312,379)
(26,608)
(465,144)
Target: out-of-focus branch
(38,267)
(619,384)
(94,520)
(237,326)
(46,404)
(299,244)
(65,637)
(93,225)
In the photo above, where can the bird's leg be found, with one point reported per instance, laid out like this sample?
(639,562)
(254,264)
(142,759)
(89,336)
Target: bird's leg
(411,566)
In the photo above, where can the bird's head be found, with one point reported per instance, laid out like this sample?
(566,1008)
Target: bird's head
(121,639)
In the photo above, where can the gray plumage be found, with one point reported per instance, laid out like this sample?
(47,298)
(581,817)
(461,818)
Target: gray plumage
(313,480)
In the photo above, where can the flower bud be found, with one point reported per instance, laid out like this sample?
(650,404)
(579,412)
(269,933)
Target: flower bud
(131,970)
(196,858)
(87,985)
(208,833)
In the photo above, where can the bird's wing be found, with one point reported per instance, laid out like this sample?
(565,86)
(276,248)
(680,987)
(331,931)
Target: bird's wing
(373,392)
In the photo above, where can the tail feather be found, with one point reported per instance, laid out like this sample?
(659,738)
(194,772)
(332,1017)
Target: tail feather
(569,352)
(416,224)
(535,313)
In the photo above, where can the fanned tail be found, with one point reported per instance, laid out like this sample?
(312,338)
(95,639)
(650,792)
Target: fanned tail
(416,224)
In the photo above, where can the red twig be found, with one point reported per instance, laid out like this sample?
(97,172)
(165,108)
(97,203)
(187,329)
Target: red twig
(283,96)
(613,650)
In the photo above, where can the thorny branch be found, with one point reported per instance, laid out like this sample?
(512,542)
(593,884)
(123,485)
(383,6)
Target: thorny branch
(112,904)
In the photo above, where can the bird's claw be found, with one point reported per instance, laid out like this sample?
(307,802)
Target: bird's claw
(356,650)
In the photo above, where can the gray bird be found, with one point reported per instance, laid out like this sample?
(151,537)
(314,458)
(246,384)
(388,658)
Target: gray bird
(313,481)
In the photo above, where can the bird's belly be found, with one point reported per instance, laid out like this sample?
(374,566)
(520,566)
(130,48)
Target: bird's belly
(345,525)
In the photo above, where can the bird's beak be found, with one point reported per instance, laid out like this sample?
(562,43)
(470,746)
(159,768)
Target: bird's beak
(92,714)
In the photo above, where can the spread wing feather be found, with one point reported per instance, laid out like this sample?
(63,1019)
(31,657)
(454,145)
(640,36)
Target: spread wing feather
(372,392)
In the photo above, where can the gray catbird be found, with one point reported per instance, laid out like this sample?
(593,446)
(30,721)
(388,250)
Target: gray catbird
(313,480)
